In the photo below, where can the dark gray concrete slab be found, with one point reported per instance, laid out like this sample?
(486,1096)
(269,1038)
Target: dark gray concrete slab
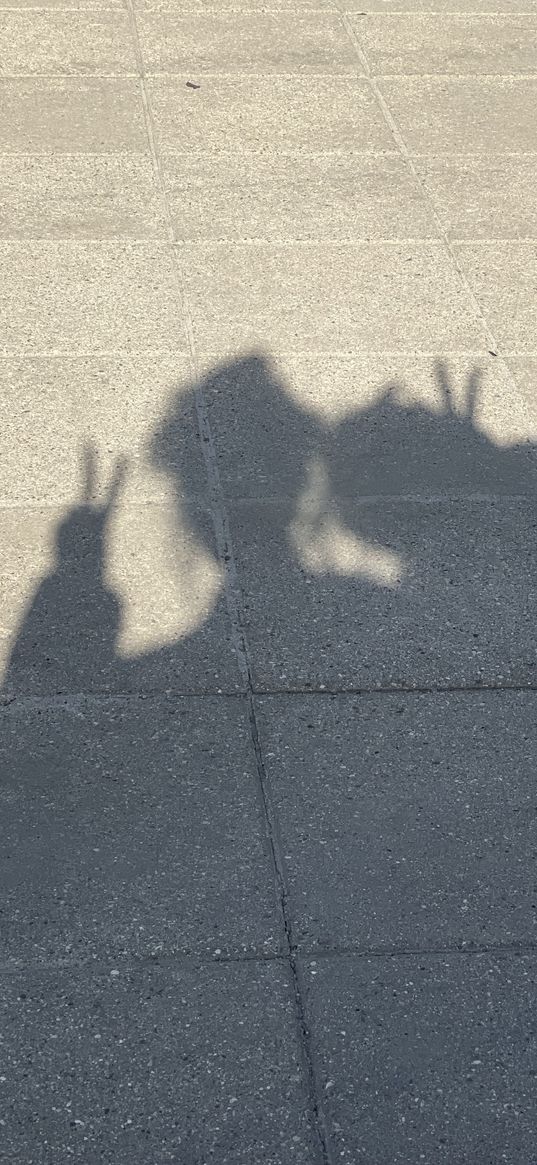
(414,593)
(132,826)
(427,1059)
(192,1064)
(406,821)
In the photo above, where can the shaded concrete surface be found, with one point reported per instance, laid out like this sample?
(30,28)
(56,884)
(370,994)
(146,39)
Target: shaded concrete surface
(268,582)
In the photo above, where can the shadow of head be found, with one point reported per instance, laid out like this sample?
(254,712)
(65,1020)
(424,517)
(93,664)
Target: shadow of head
(251,429)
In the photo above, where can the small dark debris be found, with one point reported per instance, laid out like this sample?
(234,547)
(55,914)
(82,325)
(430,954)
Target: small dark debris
(491,353)
(192,85)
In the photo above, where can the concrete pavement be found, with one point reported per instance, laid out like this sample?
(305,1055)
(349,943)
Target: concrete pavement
(268,472)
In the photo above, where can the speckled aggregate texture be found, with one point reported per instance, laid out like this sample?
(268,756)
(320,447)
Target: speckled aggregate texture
(268,586)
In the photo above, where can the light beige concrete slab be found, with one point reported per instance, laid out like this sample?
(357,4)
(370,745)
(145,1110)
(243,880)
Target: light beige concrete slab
(327,297)
(236,114)
(102,196)
(92,114)
(58,408)
(65,42)
(337,197)
(480,198)
(444,115)
(413,43)
(247,42)
(90,5)
(503,277)
(87,297)
(197,6)
(524,371)
(442,7)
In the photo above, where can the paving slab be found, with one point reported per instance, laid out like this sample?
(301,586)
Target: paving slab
(89,5)
(245,42)
(328,297)
(524,370)
(202,6)
(406,821)
(427,1058)
(70,43)
(267,580)
(483,198)
(502,277)
(388,594)
(137,409)
(441,7)
(187,1063)
(255,114)
(63,296)
(413,44)
(67,114)
(318,197)
(466,115)
(132,828)
(80,197)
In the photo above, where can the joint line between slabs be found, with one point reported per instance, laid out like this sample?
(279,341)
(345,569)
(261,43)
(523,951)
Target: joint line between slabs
(408,159)
(225,553)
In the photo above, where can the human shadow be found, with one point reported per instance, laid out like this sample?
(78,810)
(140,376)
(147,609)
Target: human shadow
(53,651)
(393,547)
(370,551)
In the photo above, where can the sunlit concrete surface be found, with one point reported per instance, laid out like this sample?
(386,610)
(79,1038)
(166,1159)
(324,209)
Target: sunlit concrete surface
(268,582)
